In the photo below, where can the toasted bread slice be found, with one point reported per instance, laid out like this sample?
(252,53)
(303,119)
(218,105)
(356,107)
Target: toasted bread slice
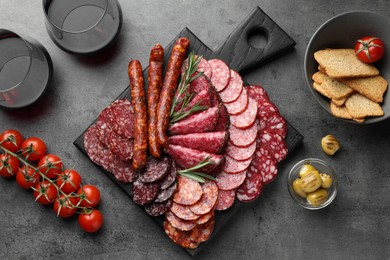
(334,88)
(320,89)
(343,63)
(371,87)
(359,106)
(339,111)
(339,102)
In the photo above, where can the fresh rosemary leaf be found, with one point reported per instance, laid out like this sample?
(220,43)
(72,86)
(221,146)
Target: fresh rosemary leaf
(194,177)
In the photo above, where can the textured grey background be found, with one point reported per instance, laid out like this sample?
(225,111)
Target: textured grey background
(355,226)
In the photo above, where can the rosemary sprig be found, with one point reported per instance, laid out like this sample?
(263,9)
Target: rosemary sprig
(193,172)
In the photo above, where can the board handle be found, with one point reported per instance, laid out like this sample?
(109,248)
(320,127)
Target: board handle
(238,52)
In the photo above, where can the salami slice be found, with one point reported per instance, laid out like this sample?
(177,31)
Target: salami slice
(122,118)
(203,66)
(240,105)
(233,89)
(200,84)
(188,191)
(166,194)
(257,93)
(179,223)
(202,233)
(202,99)
(226,199)
(246,118)
(183,212)
(223,121)
(264,164)
(251,188)
(212,142)
(144,193)
(267,107)
(273,123)
(155,169)
(226,181)
(180,238)
(208,199)
(170,178)
(233,166)
(206,217)
(243,137)
(120,146)
(103,129)
(188,158)
(275,145)
(214,96)
(204,121)
(240,153)
(220,74)
(156,209)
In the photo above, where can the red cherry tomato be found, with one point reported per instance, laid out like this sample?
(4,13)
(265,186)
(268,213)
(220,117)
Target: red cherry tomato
(45,193)
(27,177)
(65,207)
(89,196)
(9,165)
(369,49)
(11,140)
(91,222)
(69,181)
(50,165)
(33,148)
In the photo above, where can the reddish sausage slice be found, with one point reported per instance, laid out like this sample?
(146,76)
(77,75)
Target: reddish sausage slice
(246,118)
(208,199)
(188,191)
(220,74)
(233,89)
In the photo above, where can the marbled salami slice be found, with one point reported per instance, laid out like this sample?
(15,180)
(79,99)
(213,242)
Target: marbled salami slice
(212,142)
(264,164)
(243,137)
(240,153)
(233,90)
(202,99)
(200,84)
(156,209)
(233,166)
(203,66)
(187,192)
(240,105)
(226,181)
(208,199)
(103,129)
(273,123)
(206,217)
(181,238)
(155,170)
(202,233)
(204,121)
(223,121)
(226,199)
(170,178)
(251,188)
(122,118)
(257,93)
(275,145)
(166,194)
(120,146)
(179,223)
(246,118)
(144,193)
(220,74)
(183,212)
(267,107)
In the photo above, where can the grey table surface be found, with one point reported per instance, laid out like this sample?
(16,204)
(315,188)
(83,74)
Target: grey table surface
(355,226)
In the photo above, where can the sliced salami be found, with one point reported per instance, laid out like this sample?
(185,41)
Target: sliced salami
(204,121)
(156,209)
(180,238)
(120,146)
(212,142)
(188,191)
(202,233)
(264,164)
(200,84)
(243,137)
(202,99)
(155,170)
(223,121)
(275,145)
(166,194)
(122,118)
(251,188)
(203,66)
(233,90)
(240,153)
(220,74)
(257,93)
(103,130)
(183,212)
(170,178)
(226,199)
(273,123)
(267,107)
(233,166)
(144,193)
(179,223)
(206,217)
(240,105)
(226,181)
(208,199)
(246,118)
(188,158)
(214,96)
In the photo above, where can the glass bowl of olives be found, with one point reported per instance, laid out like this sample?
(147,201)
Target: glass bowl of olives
(312,183)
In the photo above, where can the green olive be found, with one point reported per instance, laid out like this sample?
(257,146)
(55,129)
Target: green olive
(311,181)
(298,189)
(317,197)
(330,144)
(305,169)
(326,180)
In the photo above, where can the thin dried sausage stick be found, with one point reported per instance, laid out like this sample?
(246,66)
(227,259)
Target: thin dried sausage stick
(140,117)
(168,89)
(156,62)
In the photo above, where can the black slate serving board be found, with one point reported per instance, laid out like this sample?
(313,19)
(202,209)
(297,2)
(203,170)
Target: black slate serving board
(240,56)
